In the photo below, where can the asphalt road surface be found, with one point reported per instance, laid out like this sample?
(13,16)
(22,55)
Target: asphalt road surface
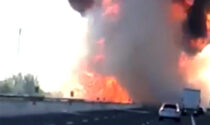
(137,116)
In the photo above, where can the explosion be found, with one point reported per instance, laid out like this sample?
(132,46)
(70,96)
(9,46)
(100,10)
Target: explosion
(104,88)
(95,86)
(99,87)
(127,48)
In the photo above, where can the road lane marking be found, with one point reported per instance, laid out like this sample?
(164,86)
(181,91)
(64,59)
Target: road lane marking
(69,123)
(141,112)
(71,113)
(85,120)
(193,120)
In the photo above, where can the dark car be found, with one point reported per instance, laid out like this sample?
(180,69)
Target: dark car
(200,111)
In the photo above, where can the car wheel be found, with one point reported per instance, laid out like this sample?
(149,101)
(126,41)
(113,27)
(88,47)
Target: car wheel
(195,114)
(177,119)
(160,118)
(201,113)
(184,113)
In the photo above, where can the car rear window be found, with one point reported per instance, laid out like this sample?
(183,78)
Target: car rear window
(170,106)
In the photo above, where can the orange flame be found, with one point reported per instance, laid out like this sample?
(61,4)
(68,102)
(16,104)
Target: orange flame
(208,22)
(189,2)
(99,87)
(111,8)
(103,88)
(94,86)
(177,12)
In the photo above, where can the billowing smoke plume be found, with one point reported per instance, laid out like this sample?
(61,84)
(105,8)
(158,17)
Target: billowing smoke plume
(196,20)
(141,47)
(195,27)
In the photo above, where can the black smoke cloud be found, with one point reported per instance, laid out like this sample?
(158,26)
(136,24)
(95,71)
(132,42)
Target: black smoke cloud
(196,20)
(195,25)
(81,5)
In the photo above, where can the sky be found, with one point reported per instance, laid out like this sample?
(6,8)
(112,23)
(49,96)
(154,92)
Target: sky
(51,41)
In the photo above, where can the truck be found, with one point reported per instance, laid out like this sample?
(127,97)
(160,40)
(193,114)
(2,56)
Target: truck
(191,99)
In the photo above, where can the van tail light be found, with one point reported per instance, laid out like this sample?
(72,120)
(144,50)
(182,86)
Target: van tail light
(177,110)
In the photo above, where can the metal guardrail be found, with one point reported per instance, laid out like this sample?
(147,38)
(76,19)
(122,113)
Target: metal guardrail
(36,98)
(22,97)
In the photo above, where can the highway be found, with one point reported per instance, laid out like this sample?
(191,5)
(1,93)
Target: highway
(138,116)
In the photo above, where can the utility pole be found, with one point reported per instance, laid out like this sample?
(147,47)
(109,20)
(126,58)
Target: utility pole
(19,38)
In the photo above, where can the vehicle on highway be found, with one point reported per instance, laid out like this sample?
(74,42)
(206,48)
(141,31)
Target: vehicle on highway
(169,111)
(190,102)
(201,111)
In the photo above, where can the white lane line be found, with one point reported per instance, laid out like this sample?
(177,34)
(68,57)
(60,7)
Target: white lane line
(85,120)
(71,113)
(141,112)
(193,120)
(96,119)
(69,123)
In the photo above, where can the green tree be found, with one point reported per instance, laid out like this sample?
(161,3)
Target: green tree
(19,84)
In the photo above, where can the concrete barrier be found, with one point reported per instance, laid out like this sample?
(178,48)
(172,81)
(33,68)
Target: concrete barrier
(25,107)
